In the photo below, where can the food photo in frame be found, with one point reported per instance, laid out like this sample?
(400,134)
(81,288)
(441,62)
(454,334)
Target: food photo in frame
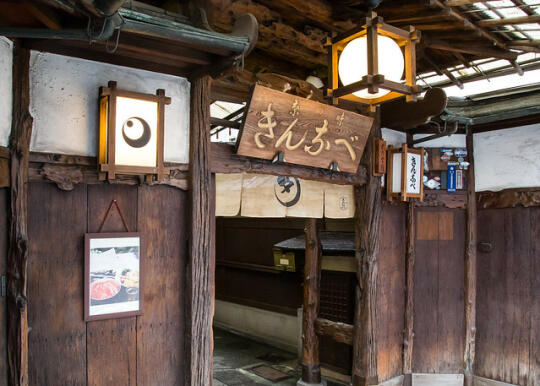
(112,275)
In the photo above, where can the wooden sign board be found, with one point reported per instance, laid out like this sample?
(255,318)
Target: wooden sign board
(379,157)
(306,132)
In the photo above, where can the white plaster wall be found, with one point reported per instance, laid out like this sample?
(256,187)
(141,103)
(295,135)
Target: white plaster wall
(397,138)
(64,103)
(393,138)
(276,329)
(6,97)
(507,158)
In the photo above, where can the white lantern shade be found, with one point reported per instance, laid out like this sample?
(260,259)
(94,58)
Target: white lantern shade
(352,65)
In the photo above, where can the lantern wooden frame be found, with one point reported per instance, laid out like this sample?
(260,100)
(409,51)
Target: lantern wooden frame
(107,134)
(372,26)
(404,150)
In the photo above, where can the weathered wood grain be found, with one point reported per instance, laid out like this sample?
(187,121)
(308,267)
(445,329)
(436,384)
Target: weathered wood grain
(443,199)
(507,297)
(112,343)
(57,341)
(367,221)
(534,344)
(4,221)
(311,369)
(4,173)
(160,329)
(68,170)
(223,160)
(450,303)
(408,338)
(17,260)
(509,198)
(339,332)
(470,269)
(426,295)
(439,292)
(390,295)
(199,288)
(306,132)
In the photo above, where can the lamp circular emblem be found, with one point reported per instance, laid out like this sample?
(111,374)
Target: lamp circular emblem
(136,132)
(287,191)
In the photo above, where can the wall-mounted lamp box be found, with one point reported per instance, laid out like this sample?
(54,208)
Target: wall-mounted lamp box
(405,173)
(369,63)
(131,128)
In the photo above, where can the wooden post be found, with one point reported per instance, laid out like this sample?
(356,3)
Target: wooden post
(199,287)
(311,370)
(368,214)
(470,268)
(17,259)
(408,338)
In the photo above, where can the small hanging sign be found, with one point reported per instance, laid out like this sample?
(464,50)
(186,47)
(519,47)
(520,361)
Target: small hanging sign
(112,273)
(452,178)
(405,173)
(379,157)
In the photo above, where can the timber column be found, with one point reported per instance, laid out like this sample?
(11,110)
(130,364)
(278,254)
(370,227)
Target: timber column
(311,369)
(200,276)
(470,268)
(367,220)
(17,259)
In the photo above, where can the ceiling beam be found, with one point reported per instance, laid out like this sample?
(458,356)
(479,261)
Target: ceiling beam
(459,3)
(319,11)
(456,15)
(47,16)
(480,51)
(510,20)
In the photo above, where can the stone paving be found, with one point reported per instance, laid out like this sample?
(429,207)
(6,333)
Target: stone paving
(235,355)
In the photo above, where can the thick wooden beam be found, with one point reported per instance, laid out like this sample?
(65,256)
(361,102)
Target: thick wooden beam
(224,160)
(276,38)
(367,221)
(319,11)
(509,198)
(339,332)
(311,369)
(470,269)
(17,259)
(482,51)
(199,287)
(457,3)
(509,20)
(48,16)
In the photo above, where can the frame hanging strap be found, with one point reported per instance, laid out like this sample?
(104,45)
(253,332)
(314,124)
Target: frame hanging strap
(113,202)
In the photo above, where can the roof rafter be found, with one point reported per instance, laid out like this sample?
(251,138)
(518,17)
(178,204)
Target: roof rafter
(467,23)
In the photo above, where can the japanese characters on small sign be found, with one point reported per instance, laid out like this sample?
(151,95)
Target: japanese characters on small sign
(306,132)
(414,179)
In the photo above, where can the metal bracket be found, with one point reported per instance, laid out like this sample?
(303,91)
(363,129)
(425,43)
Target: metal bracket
(280,157)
